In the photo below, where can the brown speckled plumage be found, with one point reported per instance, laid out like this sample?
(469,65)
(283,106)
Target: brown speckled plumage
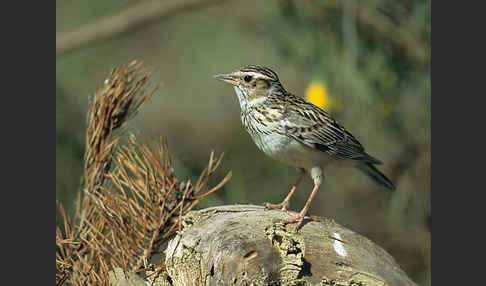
(296,132)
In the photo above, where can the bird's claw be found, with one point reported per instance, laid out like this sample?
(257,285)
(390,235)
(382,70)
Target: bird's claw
(295,219)
(282,206)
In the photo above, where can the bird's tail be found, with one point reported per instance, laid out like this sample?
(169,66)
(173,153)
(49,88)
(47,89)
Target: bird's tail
(375,174)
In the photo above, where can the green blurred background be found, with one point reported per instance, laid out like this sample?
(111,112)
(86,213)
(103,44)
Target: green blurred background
(369,59)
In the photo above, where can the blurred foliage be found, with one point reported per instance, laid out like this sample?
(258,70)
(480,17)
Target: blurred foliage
(69,148)
(372,57)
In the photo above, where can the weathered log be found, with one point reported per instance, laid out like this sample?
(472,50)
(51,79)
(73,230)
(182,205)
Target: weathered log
(248,245)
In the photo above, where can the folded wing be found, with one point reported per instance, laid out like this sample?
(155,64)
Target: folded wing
(313,127)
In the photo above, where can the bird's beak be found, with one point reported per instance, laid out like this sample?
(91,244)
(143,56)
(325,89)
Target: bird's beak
(228,77)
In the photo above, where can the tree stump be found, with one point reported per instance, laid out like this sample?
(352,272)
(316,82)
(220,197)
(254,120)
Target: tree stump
(248,245)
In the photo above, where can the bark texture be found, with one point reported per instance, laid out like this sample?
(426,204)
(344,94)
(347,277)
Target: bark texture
(248,245)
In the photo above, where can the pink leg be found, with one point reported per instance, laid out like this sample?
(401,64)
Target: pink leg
(299,218)
(284,205)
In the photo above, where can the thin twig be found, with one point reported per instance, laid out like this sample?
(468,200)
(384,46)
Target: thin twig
(135,17)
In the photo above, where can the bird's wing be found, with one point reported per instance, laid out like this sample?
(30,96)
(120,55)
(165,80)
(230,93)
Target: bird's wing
(313,127)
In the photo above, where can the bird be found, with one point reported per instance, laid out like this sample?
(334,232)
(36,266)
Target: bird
(296,132)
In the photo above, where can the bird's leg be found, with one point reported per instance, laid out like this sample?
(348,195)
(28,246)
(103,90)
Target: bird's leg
(299,218)
(284,205)
(317,175)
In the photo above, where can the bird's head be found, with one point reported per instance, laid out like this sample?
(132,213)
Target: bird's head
(252,83)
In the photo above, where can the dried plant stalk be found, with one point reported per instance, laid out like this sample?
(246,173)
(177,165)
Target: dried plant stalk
(123,210)
(121,97)
(152,196)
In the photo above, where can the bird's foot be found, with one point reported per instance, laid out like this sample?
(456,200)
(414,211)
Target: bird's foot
(299,218)
(282,206)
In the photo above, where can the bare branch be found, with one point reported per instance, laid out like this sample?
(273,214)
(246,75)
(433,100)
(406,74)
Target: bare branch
(130,19)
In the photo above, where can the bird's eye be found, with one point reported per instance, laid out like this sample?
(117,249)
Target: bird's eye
(247,78)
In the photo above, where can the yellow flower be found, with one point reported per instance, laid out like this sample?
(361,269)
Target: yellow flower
(318,95)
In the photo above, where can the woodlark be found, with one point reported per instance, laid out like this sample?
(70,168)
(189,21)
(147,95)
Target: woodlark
(296,132)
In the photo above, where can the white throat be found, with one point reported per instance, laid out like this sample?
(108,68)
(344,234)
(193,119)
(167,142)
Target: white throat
(241,98)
